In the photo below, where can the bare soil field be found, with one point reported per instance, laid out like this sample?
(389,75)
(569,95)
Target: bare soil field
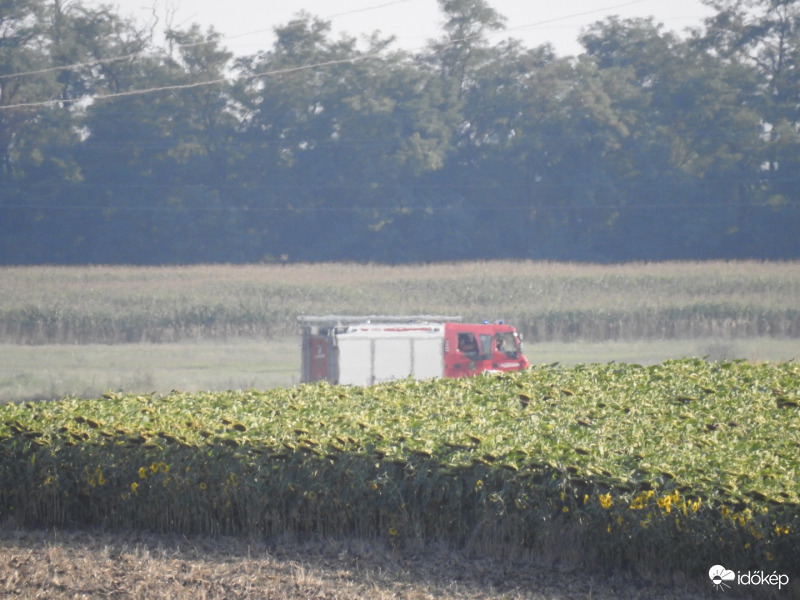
(72,564)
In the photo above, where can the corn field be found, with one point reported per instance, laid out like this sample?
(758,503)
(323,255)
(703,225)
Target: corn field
(667,467)
(545,301)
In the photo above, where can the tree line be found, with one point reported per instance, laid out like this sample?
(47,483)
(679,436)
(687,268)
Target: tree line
(119,147)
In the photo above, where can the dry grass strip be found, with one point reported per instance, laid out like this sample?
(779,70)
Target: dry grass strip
(81,565)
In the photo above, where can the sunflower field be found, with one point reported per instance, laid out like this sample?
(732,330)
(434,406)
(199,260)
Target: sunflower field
(674,467)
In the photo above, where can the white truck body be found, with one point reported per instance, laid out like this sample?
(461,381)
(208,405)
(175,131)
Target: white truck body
(370,354)
(353,350)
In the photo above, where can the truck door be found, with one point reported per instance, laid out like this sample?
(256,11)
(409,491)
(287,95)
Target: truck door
(318,356)
(467,352)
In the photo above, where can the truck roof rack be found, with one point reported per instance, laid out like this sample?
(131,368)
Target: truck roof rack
(338,320)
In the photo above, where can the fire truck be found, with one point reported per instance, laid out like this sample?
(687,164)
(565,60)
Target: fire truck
(365,350)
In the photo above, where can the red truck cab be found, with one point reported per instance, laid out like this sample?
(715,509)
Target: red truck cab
(473,348)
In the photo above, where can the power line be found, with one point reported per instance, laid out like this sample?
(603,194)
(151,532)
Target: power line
(370,208)
(186,86)
(70,67)
(218,81)
(365,9)
(586,13)
(131,55)
(112,59)
(99,61)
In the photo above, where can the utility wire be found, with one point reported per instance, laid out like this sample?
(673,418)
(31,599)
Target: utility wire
(186,86)
(218,81)
(365,9)
(99,61)
(354,209)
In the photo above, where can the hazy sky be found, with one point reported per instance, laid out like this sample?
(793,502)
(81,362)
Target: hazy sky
(247,24)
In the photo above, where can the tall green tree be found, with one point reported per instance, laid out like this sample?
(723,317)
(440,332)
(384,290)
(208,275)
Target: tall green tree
(765,35)
(464,45)
(46,62)
(578,123)
(167,130)
(290,106)
(23,57)
(689,151)
(337,137)
(645,146)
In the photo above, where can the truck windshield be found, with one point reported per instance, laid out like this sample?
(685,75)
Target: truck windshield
(507,344)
